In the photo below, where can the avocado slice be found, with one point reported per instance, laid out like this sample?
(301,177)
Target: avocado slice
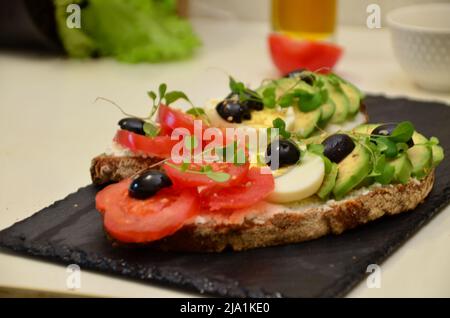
(340,101)
(421,158)
(327,111)
(328,183)
(438,155)
(306,123)
(402,167)
(284,84)
(354,97)
(419,138)
(437,151)
(365,128)
(352,171)
(315,138)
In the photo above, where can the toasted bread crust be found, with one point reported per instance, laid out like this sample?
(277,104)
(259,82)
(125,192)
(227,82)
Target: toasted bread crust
(292,227)
(106,169)
(281,228)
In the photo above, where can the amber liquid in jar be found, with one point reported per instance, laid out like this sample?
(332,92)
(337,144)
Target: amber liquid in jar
(306,19)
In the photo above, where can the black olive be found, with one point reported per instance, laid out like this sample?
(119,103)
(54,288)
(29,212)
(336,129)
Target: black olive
(252,102)
(233,111)
(387,129)
(303,74)
(135,125)
(255,104)
(287,152)
(337,147)
(148,183)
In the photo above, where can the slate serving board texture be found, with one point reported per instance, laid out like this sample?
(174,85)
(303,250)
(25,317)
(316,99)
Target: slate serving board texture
(70,231)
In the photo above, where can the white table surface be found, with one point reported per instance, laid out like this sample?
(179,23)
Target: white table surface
(51,129)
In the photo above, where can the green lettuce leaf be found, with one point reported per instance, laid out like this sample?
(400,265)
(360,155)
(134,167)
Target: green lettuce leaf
(130,30)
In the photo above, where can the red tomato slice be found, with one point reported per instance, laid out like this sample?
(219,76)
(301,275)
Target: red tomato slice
(185,179)
(170,118)
(159,146)
(290,54)
(141,221)
(254,188)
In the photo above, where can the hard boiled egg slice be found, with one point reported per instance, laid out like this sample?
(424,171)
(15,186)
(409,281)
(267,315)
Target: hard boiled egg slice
(300,181)
(264,118)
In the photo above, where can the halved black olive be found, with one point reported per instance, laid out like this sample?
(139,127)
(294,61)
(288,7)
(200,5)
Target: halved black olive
(287,152)
(233,111)
(337,147)
(135,125)
(252,102)
(387,129)
(148,184)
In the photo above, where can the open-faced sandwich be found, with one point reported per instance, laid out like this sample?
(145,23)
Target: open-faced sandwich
(290,161)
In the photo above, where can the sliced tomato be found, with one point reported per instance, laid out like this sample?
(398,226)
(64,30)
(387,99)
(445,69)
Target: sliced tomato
(192,178)
(289,54)
(140,221)
(254,188)
(159,146)
(170,118)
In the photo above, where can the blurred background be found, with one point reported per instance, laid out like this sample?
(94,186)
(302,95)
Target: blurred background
(350,12)
(156,31)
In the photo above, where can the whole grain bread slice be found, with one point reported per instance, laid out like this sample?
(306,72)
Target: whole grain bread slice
(280,228)
(294,227)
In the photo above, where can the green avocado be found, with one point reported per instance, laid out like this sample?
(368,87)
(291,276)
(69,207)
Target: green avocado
(328,183)
(365,128)
(436,151)
(421,158)
(283,85)
(419,138)
(438,154)
(354,97)
(306,123)
(352,171)
(402,167)
(340,101)
(328,110)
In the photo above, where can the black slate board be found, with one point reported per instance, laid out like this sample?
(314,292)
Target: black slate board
(70,231)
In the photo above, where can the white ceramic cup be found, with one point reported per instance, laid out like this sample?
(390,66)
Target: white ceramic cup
(421,41)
